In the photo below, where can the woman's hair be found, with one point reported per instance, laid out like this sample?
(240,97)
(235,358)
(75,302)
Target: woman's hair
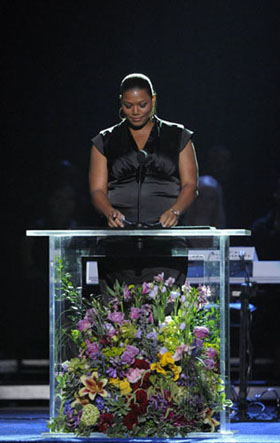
(133,81)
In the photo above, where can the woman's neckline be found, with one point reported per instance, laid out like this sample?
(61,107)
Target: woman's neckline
(141,135)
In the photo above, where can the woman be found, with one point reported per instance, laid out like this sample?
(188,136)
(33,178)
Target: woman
(164,179)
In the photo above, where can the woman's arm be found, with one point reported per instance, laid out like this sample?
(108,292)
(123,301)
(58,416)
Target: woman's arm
(98,180)
(188,170)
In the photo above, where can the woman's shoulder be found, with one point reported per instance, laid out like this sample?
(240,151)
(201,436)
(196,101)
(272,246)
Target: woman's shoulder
(167,123)
(99,139)
(186,134)
(109,130)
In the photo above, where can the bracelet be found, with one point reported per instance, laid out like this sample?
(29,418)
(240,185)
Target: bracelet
(175,212)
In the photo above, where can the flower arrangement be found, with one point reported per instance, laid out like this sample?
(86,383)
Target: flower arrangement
(146,363)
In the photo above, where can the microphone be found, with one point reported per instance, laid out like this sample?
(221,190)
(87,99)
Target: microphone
(142,157)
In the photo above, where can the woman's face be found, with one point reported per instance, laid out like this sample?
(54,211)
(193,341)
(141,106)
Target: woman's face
(137,106)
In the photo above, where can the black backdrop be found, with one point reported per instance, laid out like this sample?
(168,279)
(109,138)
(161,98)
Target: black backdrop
(214,65)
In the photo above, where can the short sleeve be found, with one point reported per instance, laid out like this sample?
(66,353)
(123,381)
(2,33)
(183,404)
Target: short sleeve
(98,142)
(186,136)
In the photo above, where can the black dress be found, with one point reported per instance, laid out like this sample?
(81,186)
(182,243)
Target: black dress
(135,260)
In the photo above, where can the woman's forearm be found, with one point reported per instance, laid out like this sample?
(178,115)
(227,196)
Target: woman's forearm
(101,202)
(186,196)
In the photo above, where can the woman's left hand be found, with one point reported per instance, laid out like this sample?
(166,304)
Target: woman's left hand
(169,218)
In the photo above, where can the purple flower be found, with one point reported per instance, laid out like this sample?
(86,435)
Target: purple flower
(182,326)
(92,349)
(116,317)
(112,372)
(99,402)
(201,331)
(163,350)
(135,313)
(170,281)
(153,292)
(198,343)
(126,293)
(173,296)
(73,418)
(209,363)
(139,333)
(211,353)
(152,335)
(128,356)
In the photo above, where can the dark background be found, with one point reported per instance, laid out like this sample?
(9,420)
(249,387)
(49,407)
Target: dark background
(214,65)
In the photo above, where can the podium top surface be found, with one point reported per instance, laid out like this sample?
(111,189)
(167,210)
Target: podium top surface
(163,232)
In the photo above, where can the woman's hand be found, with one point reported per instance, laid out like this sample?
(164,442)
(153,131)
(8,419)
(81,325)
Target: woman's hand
(115,219)
(169,218)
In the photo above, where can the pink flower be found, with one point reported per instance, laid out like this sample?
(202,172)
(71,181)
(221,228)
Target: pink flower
(135,313)
(116,317)
(83,325)
(201,331)
(159,277)
(145,288)
(180,350)
(133,375)
(204,293)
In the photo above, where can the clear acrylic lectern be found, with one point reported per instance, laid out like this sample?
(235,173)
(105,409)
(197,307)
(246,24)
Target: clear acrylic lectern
(146,360)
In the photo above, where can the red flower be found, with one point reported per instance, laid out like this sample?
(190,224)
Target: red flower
(141,397)
(105,340)
(131,419)
(106,420)
(142,384)
(141,364)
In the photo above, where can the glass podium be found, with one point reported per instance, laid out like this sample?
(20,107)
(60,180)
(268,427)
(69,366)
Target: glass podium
(139,359)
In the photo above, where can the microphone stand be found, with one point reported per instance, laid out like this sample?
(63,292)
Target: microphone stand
(140,172)
(142,157)
(248,290)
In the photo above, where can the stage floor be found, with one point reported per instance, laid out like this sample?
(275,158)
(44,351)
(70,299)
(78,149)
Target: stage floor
(28,424)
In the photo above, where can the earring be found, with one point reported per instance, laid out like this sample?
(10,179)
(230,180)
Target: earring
(122,116)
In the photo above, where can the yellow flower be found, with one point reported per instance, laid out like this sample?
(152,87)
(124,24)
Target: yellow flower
(166,359)
(157,367)
(123,385)
(115,381)
(93,386)
(176,369)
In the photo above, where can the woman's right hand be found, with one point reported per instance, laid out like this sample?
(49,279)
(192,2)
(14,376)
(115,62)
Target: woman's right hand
(115,219)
